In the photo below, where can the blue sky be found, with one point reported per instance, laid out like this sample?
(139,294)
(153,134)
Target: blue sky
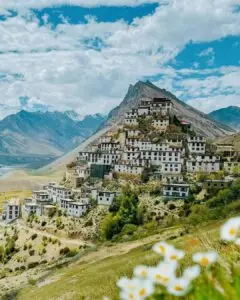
(83,54)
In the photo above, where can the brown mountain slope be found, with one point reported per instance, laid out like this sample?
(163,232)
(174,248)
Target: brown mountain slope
(201,122)
(230,139)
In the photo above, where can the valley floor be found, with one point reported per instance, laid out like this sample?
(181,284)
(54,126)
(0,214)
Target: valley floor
(94,275)
(21,180)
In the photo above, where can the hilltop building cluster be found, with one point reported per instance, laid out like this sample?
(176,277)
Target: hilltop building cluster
(152,143)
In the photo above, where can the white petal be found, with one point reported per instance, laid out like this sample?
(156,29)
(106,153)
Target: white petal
(237,242)
(141,272)
(231,225)
(174,255)
(178,286)
(211,256)
(162,248)
(192,273)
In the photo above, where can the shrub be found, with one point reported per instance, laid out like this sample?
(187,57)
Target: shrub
(171,206)
(64,251)
(1,253)
(31,252)
(34,236)
(10,247)
(43,262)
(111,226)
(129,229)
(72,253)
(54,241)
(88,223)
(33,264)
(32,281)
(42,251)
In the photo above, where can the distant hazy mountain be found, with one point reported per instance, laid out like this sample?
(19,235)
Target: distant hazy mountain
(74,115)
(229,116)
(39,137)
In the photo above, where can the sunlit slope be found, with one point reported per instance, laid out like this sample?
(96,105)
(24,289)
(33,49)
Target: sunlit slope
(95,274)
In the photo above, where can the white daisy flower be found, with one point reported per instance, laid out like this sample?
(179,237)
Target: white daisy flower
(162,248)
(145,289)
(163,273)
(205,259)
(192,273)
(141,272)
(178,286)
(128,296)
(174,255)
(142,290)
(127,284)
(229,231)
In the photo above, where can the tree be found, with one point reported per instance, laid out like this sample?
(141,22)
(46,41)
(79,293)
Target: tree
(111,226)
(124,210)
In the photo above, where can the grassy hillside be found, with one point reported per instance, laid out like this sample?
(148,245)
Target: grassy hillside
(231,139)
(94,275)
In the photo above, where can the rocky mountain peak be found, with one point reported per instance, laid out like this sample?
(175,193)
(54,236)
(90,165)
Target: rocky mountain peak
(201,122)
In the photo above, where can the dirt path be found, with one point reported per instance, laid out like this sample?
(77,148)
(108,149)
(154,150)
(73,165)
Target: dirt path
(123,248)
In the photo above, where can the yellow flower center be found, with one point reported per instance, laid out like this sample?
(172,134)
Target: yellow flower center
(204,261)
(161,278)
(144,273)
(173,257)
(162,249)
(131,296)
(178,288)
(142,292)
(233,231)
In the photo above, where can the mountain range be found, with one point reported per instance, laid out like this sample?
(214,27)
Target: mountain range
(201,122)
(36,138)
(229,116)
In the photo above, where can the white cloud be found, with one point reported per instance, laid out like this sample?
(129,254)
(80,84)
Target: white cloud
(207,52)
(72,76)
(210,54)
(208,93)
(211,103)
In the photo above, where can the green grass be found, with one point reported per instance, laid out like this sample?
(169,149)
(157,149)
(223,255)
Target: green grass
(95,275)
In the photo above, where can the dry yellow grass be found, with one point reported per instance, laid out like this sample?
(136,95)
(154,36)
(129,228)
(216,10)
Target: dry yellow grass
(94,275)
(20,180)
(5,196)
